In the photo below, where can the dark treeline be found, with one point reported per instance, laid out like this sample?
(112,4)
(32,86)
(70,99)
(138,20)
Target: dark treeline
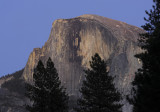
(145,96)
(16,74)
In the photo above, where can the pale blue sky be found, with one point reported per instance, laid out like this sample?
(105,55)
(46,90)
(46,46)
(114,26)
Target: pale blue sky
(26,24)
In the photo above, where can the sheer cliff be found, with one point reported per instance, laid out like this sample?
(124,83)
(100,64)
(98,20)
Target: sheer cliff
(72,42)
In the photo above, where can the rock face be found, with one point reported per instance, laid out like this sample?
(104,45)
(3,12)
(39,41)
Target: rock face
(72,42)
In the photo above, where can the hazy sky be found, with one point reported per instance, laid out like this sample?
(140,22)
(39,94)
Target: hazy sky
(26,24)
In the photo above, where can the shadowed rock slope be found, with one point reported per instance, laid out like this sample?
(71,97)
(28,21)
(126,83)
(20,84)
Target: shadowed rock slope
(12,93)
(72,42)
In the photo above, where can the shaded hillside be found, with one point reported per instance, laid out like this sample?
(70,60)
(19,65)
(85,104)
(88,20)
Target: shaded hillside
(12,93)
(16,84)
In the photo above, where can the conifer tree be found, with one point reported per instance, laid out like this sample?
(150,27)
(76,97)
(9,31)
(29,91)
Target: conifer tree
(57,97)
(98,91)
(46,91)
(146,85)
(36,91)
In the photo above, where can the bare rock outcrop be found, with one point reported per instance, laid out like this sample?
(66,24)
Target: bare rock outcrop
(72,42)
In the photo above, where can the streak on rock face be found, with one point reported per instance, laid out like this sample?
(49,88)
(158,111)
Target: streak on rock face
(72,42)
